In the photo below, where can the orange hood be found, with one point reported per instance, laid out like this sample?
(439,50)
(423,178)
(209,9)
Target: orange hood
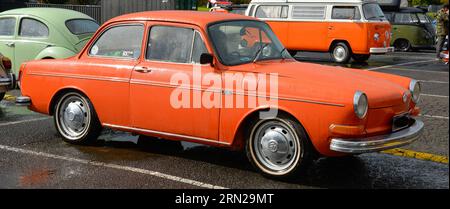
(334,84)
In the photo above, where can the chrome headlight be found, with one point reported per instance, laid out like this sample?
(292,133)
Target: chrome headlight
(415,89)
(376,37)
(360,104)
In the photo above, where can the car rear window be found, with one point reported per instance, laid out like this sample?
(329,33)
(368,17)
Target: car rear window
(82,26)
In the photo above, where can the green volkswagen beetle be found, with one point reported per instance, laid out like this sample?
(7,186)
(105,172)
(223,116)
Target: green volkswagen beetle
(43,33)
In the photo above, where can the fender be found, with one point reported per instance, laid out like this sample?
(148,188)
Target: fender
(55,52)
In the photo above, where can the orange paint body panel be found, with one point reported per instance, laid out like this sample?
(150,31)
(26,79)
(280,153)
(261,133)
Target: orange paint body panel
(319,36)
(317,96)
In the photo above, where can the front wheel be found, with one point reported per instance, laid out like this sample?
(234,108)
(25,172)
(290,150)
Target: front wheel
(279,147)
(76,120)
(341,53)
(361,57)
(402,45)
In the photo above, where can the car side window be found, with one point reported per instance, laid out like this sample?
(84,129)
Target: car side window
(33,28)
(124,41)
(7,26)
(199,48)
(170,44)
(272,12)
(346,13)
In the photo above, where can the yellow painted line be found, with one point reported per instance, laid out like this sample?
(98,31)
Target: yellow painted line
(9,97)
(417,155)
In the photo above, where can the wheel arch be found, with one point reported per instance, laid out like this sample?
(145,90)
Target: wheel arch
(244,126)
(334,42)
(60,93)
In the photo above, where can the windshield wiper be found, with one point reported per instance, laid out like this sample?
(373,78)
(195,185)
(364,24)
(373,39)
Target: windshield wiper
(258,53)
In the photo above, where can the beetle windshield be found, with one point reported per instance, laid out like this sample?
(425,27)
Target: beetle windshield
(373,11)
(82,26)
(239,42)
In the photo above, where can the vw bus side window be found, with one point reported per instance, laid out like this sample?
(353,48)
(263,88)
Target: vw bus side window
(308,12)
(7,26)
(406,18)
(272,12)
(346,13)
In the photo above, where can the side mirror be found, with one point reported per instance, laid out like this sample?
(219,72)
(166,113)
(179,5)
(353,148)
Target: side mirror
(206,58)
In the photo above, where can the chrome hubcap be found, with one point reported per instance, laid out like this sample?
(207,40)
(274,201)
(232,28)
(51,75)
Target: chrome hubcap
(73,117)
(275,145)
(339,53)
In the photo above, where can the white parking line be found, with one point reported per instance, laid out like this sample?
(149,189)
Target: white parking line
(435,116)
(401,64)
(23,121)
(440,82)
(413,70)
(114,166)
(433,95)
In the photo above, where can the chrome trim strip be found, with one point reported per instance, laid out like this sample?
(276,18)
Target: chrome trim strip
(113,79)
(149,83)
(167,134)
(378,143)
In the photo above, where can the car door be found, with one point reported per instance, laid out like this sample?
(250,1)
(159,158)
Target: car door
(7,36)
(346,20)
(105,68)
(32,38)
(166,88)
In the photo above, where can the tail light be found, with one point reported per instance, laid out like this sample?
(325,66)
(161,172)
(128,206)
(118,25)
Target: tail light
(6,63)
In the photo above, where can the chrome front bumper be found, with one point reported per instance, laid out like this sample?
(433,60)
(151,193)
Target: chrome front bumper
(382,50)
(378,143)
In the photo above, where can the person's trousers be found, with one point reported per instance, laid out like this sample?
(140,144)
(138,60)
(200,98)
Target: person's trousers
(439,45)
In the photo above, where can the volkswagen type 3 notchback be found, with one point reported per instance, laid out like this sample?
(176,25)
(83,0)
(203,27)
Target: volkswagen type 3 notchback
(166,74)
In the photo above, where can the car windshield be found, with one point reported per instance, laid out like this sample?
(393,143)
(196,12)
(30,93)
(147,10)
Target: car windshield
(82,26)
(373,12)
(239,42)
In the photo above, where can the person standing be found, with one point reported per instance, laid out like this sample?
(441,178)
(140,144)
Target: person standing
(442,28)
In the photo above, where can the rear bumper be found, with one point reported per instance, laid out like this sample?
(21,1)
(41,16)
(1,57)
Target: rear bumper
(8,82)
(23,101)
(382,50)
(378,143)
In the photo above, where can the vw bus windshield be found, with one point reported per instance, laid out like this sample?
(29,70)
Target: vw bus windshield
(373,11)
(239,42)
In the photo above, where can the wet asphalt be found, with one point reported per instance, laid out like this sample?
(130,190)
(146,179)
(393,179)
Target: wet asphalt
(32,155)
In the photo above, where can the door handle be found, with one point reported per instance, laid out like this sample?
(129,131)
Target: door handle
(142,69)
(10,44)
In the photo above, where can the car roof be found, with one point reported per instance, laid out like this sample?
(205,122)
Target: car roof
(312,1)
(49,14)
(201,19)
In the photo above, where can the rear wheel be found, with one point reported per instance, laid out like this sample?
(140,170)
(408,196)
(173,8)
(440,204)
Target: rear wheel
(361,57)
(341,53)
(76,120)
(402,45)
(279,147)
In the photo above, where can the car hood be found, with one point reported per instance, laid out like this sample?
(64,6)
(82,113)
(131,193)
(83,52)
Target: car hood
(334,84)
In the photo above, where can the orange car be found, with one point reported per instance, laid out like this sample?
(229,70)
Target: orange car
(192,76)
(344,28)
